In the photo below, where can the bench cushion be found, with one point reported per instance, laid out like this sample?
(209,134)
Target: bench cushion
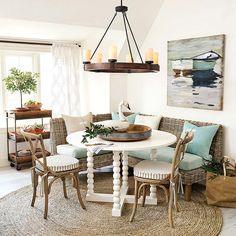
(68,149)
(77,123)
(151,121)
(190,161)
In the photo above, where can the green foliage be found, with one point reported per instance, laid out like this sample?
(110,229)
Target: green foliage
(30,102)
(213,166)
(37,126)
(94,130)
(22,81)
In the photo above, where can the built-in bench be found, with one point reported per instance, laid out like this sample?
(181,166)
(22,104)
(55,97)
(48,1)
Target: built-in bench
(190,168)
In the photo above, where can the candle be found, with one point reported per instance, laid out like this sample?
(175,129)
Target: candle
(155,58)
(149,55)
(113,53)
(128,58)
(87,56)
(99,57)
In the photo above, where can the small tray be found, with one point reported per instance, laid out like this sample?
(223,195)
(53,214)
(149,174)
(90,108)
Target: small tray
(133,133)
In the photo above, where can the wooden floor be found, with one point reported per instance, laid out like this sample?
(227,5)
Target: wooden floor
(11,180)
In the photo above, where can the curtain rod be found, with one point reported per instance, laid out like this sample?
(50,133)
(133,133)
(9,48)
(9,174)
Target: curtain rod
(32,43)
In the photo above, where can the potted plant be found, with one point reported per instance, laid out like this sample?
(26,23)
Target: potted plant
(22,81)
(220,183)
(35,128)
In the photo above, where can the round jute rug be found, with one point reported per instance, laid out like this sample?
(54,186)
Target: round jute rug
(66,217)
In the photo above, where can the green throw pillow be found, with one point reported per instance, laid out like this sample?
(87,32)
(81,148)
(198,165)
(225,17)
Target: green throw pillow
(131,118)
(203,136)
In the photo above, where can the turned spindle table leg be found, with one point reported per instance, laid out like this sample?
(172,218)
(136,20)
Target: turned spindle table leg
(125,169)
(90,175)
(116,184)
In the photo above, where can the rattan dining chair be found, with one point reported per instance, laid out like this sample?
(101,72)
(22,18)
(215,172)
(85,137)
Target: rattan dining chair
(50,168)
(154,172)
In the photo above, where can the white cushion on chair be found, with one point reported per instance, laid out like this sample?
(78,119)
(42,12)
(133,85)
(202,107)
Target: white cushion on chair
(60,163)
(152,169)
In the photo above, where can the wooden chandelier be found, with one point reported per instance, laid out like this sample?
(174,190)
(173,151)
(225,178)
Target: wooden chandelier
(112,66)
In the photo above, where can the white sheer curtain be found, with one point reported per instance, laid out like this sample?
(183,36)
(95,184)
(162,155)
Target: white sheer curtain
(67,73)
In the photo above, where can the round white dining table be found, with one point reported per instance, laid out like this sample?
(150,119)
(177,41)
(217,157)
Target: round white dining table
(119,196)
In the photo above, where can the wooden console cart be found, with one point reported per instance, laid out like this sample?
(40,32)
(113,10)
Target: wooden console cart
(19,158)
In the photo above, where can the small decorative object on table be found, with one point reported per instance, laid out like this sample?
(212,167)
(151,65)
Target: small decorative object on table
(94,130)
(132,133)
(33,105)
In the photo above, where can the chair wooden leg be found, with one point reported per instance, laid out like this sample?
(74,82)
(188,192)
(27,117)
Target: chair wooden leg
(73,182)
(135,201)
(64,186)
(176,198)
(170,215)
(76,181)
(144,195)
(46,197)
(35,184)
(165,192)
(187,192)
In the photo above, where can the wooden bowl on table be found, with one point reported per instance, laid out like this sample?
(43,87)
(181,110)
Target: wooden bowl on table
(35,107)
(133,133)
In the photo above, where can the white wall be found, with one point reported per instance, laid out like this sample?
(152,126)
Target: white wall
(118,90)
(186,19)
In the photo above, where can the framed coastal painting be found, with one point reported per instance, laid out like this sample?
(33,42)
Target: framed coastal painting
(195,72)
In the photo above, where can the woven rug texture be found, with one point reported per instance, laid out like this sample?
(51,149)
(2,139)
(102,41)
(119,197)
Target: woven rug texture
(66,217)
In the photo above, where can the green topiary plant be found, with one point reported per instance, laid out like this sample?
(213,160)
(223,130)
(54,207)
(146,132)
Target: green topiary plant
(22,81)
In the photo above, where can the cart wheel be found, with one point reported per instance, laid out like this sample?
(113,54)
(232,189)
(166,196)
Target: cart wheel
(18,167)
(12,164)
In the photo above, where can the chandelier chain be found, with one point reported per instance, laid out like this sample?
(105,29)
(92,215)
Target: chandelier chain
(133,37)
(103,35)
(127,37)
(126,22)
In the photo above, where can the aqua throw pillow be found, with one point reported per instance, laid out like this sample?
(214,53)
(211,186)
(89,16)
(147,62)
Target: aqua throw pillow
(131,118)
(203,136)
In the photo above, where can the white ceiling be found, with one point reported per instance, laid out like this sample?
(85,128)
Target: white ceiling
(95,13)
(72,19)
(75,20)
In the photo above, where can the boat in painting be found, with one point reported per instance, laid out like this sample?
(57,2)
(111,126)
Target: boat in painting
(205,61)
(182,67)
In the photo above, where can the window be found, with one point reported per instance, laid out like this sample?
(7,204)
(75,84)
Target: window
(33,59)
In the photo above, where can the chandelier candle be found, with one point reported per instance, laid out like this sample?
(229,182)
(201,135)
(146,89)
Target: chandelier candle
(87,56)
(112,54)
(155,58)
(149,56)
